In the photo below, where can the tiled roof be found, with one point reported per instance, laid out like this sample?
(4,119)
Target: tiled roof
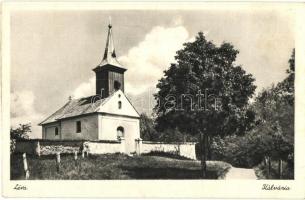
(76,107)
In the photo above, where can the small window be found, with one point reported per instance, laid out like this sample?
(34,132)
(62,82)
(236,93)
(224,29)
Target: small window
(78,127)
(120,104)
(120,131)
(56,131)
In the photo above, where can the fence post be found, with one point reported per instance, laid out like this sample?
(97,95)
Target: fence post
(58,161)
(25,167)
(75,158)
(138,146)
(75,155)
(83,153)
(37,150)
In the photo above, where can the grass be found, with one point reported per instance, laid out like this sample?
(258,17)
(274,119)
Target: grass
(114,166)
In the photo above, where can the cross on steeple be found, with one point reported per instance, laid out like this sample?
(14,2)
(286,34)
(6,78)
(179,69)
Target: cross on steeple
(109,22)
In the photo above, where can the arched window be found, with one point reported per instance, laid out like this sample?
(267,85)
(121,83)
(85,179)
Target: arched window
(56,131)
(120,131)
(119,104)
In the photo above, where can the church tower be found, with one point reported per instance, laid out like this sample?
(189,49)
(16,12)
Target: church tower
(109,73)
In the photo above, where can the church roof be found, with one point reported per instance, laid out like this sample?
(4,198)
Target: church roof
(76,107)
(110,54)
(89,105)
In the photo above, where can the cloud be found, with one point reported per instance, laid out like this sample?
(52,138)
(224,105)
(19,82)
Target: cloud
(23,111)
(85,89)
(147,61)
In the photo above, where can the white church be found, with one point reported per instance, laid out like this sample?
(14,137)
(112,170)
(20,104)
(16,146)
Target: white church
(107,115)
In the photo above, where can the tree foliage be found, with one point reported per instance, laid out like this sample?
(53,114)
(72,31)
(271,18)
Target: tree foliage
(201,65)
(273,134)
(21,132)
(147,129)
(275,116)
(149,133)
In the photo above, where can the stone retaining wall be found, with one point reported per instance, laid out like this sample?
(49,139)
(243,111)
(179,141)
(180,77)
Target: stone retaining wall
(45,147)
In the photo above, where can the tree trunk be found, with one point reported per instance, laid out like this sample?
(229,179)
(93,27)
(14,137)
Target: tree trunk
(269,168)
(203,152)
(265,161)
(280,167)
(209,154)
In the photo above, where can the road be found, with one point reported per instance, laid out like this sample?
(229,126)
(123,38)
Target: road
(241,173)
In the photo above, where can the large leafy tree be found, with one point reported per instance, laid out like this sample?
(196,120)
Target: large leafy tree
(275,117)
(202,67)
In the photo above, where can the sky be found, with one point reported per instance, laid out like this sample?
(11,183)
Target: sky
(53,52)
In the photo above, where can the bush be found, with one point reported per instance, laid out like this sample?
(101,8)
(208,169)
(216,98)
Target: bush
(12,145)
(261,171)
(240,151)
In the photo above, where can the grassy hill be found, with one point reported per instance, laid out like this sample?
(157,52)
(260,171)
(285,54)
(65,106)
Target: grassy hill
(114,166)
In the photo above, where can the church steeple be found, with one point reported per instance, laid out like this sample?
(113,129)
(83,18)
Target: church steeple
(109,73)
(109,54)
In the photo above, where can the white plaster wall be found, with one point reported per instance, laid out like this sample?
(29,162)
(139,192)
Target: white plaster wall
(187,150)
(102,148)
(111,105)
(89,128)
(169,148)
(49,132)
(109,125)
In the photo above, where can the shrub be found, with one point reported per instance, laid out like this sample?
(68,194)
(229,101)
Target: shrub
(12,145)
(240,151)
(261,171)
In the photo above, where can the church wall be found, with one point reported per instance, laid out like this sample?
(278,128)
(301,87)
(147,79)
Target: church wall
(111,106)
(89,128)
(109,125)
(48,131)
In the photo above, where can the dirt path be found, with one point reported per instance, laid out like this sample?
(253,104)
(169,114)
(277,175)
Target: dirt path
(241,173)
